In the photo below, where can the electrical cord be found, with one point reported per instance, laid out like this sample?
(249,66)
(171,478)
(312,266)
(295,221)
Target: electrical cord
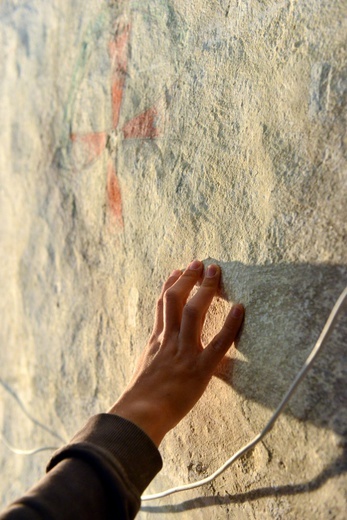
(26,452)
(18,451)
(323,338)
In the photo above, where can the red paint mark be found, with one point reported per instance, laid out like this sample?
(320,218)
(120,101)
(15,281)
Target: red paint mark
(92,145)
(142,126)
(119,60)
(114,194)
(117,94)
(118,49)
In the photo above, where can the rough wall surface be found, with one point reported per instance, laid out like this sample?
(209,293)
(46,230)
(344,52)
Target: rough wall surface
(135,136)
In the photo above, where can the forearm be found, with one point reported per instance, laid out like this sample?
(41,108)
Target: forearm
(58,495)
(100,474)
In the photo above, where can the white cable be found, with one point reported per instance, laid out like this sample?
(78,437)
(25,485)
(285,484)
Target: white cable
(26,452)
(325,334)
(12,393)
(18,451)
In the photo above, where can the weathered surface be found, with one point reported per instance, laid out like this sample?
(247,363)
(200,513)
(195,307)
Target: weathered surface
(136,136)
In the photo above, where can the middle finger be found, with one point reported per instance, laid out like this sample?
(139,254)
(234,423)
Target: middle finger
(195,310)
(176,296)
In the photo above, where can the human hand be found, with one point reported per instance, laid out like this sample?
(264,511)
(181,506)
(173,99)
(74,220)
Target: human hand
(175,368)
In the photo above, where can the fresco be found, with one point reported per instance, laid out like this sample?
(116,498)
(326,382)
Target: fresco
(135,137)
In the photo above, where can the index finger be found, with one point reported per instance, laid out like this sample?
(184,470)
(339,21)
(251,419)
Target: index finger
(195,311)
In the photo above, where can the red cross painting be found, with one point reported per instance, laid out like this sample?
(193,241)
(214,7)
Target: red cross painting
(142,126)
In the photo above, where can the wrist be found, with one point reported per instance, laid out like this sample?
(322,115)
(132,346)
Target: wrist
(143,415)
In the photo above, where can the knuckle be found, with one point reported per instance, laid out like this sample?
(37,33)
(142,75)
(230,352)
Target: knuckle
(229,327)
(171,296)
(210,283)
(165,287)
(227,339)
(153,340)
(191,274)
(218,344)
(168,337)
(160,304)
(191,311)
(168,284)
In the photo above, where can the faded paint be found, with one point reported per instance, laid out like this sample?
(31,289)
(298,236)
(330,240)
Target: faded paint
(210,129)
(119,54)
(114,194)
(143,126)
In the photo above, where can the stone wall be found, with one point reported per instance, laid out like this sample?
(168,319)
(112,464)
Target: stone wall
(136,136)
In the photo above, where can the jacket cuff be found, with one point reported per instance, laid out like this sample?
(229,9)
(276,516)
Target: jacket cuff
(119,441)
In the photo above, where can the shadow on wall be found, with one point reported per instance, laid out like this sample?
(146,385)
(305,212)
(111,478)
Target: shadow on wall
(287,306)
(338,467)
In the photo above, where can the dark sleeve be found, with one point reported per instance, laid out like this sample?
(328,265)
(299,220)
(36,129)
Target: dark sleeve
(100,474)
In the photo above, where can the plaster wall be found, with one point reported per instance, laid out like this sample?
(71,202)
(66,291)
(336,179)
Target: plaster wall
(134,137)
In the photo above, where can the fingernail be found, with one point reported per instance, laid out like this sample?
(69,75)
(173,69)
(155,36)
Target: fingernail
(237,311)
(176,272)
(211,271)
(196,264)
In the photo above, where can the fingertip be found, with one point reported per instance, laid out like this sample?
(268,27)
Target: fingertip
(194,271)
(237,311)
(196,265)
(212,271)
